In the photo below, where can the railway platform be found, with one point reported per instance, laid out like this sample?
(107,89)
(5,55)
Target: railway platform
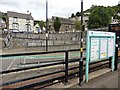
(103,78)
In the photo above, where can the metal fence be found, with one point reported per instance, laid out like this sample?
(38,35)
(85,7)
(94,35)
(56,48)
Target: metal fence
(60,75)
(64,62)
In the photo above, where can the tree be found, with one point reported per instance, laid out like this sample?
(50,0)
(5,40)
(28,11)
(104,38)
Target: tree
(57,24)
(77,25)
(78,14)
(42,24)
(72,15)
(111,11)
(99,17)
(3,16)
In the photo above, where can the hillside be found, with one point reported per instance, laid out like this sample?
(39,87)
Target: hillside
(113,10)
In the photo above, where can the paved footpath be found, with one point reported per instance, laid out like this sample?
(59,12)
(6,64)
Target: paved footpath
(108,80)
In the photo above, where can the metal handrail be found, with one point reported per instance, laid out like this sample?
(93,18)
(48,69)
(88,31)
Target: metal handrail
(37,53)
(64,71)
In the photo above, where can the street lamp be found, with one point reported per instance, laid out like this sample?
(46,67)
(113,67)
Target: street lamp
(47,25)
(81,48)
(28,21)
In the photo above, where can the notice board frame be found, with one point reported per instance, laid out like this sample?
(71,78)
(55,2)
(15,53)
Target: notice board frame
(93,41)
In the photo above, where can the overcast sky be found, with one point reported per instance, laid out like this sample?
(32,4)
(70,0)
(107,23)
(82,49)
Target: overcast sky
(62,8)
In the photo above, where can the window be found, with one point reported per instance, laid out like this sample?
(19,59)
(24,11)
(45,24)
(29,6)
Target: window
(27,21)
(28,27)
(15,19)
(15,26)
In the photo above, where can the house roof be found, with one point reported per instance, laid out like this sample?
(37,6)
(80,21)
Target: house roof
(64,20)
(19,15)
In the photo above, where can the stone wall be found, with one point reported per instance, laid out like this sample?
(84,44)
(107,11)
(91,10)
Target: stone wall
(56,41)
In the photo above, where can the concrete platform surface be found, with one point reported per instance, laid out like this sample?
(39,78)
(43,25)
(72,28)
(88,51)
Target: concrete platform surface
(103,78)
(108,80)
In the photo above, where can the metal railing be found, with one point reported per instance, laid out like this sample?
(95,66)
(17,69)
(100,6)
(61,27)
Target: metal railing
(62,76)
(65,62)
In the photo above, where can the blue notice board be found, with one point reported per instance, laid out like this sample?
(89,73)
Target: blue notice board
(100,46)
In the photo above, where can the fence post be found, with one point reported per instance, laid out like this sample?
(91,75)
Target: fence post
(110,61)
(66,66)
(80,71)
(116,58)
(116,53)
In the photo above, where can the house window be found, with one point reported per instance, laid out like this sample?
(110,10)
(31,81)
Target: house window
(27,21)
(15,19)
(15,26)
(28,27)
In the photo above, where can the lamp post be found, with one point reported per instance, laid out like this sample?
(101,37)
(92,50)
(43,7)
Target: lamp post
(27,20)
(81,48)
(46,25)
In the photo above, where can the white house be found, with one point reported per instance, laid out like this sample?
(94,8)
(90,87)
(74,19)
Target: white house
(37,28)
(19,22)
(114,21)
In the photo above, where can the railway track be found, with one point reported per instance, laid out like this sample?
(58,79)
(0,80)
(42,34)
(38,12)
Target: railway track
(40,82)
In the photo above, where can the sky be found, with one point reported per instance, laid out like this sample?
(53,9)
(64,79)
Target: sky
(61,8)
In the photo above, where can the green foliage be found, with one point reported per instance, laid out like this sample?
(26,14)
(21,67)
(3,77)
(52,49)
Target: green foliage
(99,17)
(116,17)
(77,25)
(116,8)
(41,23)
(3,16)
(72,15)
(57,24)
(78,14)
(111,11)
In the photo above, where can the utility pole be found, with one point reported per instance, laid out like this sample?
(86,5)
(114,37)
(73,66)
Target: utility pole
(46,25)
(81,48)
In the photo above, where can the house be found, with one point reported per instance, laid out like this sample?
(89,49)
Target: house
(85,19)
(115,20)
(37,28)
(67,25)
(19,22)
(2,24)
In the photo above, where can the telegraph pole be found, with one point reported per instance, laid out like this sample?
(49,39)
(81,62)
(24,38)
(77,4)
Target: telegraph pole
(81,48)
(46,25)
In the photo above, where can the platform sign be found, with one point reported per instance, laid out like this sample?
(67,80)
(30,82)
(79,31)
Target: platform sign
(94,49)
(103,48)
(111,47)
(100,46)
